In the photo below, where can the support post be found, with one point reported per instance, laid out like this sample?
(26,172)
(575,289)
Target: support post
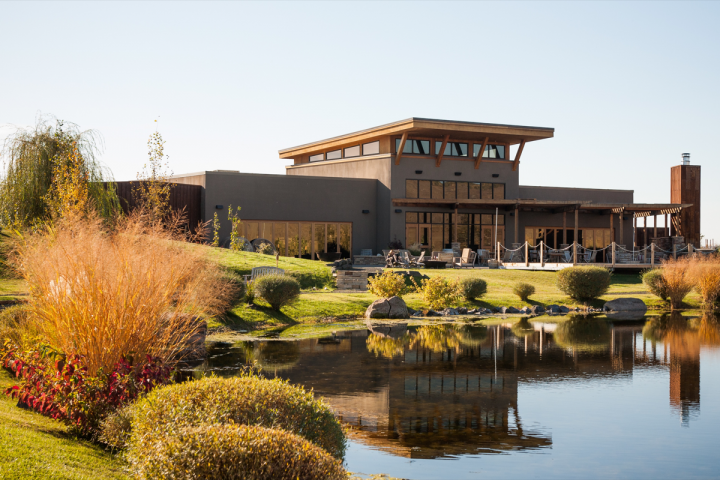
(455,223)
(575,253)
(613,254)
(575,238)
(622,237)
(564,227)
(652,255)
(655,225)
(498,251)
(478,159)
(674,251)
(667,230)
(635,233)
(517,223)
(645,239)
(517,155)
(690,249)
(670,225)
(401,147)
(527,257)
(612,237)
(542,254)
(439,159)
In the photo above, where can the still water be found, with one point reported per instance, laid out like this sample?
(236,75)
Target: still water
(584,398)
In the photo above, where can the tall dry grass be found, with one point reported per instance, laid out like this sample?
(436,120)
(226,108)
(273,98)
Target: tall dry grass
(679,281)
(104,292)
(706,275)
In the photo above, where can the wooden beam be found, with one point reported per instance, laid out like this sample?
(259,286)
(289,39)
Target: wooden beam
(564,227)
(517,224)
(442,150)
(575,238)
(517,155)
(622,220)
(655,226)
(482,150)
(398,154)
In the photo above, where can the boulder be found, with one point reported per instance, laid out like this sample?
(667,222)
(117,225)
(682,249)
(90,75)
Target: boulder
(501,309)
(380,308)
(398,309)
(625,309)
(553,309)
(512,310)
(526,310)
(432,313)
(462,310)
(564,309)
(449,311)
(537,309)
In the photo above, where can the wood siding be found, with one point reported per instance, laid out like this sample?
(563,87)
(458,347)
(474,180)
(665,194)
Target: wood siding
(181,196)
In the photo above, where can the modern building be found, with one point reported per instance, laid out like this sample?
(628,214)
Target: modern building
(432,182)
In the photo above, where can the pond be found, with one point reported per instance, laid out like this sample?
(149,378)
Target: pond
(580,398)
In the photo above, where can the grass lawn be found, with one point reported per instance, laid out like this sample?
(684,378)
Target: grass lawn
(11,288)
(322,305)
(33,446)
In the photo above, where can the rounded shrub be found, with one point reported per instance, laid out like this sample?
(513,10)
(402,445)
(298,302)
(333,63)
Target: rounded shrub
(234,451)
(246,400)
(655,282)
(439,293)
(523,290)
(583,283)
(387,284)
(277,290)
(472,288)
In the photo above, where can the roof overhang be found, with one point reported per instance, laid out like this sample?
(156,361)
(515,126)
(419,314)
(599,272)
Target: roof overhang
(551,206)
(427,127)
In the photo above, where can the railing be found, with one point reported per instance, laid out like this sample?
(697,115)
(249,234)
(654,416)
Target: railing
(577,254)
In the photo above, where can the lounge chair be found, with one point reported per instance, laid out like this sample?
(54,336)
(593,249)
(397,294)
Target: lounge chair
(466,260)
(417,261)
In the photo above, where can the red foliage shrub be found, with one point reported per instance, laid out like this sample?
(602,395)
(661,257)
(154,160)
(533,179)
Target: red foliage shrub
(58,386)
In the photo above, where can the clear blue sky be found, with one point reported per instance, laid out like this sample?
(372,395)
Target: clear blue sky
(627,86)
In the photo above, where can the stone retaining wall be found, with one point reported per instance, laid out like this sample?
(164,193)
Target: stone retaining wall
(369,260)
(352,279)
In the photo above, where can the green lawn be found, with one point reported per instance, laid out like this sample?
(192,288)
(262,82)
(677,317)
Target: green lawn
(11,288)
(324,305)
(33,446)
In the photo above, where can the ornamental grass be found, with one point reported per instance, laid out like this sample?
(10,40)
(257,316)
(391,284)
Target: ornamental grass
(678,279)
(705,272)
(106,291)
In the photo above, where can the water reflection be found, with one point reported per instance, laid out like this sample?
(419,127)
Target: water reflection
(683,338)
(442,390)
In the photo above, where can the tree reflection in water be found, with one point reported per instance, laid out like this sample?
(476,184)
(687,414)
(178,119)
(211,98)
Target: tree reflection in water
(581,333)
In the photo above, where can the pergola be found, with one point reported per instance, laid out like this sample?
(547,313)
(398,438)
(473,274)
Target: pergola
(637,210)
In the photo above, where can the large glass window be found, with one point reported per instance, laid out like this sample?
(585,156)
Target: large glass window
(491,151)
(305,239)
(293,240)
(424,189)
(419,147)
(437,189)
(332,245)
(372,148)
(345,239)
(279,237)
(317,158)
(448,190)
(352,151)
(334,155)
(411,189)
(452,149)
(471,229)
(319,238)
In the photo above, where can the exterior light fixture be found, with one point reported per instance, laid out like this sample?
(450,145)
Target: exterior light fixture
(366,211)
(397,210)
(496,175)
(419,172)
(457,174)
(218,207)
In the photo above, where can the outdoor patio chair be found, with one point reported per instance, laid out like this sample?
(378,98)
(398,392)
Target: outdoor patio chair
(419,261)
(403,259)
(483,256)
(261,271)
(466,260)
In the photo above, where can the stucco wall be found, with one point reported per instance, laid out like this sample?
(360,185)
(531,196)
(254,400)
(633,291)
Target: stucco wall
(376,167)
(595,195)
(292,198)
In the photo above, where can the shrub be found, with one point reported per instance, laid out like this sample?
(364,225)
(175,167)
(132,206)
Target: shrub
(246,400)
(655,282)
(472,288)
(678,280)
(115,429)
(250,292)
(387,284)
(439,293)
(59,386)
(395,244)
(415,249)
(235,451)
(523,290)
(706,276)
(277,290)
(102,293)
(583,283)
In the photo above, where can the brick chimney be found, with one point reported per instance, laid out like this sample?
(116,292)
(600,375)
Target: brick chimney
(685,188)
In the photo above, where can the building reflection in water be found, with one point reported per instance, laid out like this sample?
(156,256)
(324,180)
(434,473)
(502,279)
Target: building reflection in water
(446,389)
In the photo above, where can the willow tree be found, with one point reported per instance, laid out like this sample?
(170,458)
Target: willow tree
(40,163)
